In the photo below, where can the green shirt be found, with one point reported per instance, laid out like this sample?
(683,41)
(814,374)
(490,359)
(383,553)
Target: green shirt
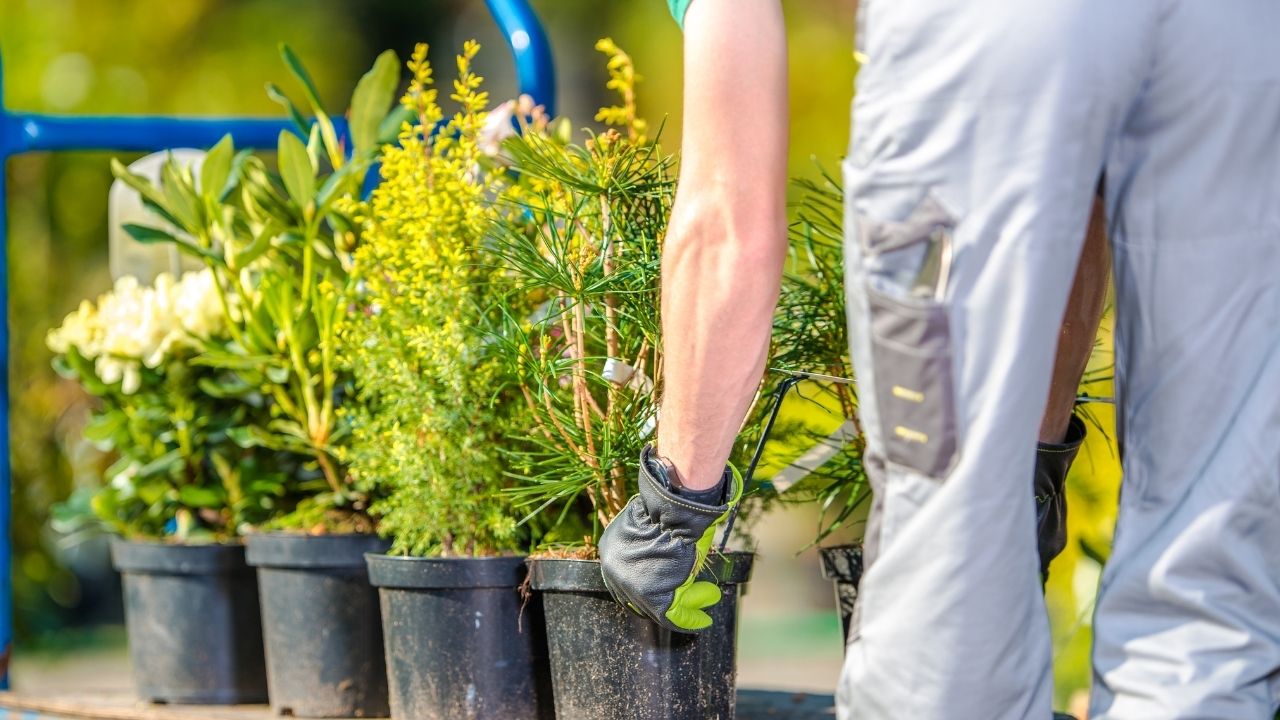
(678,9)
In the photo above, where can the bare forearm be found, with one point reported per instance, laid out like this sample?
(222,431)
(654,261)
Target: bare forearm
(1079,327)
(722,262)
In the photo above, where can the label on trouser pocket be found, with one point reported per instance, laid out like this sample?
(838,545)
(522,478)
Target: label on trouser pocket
(915,396)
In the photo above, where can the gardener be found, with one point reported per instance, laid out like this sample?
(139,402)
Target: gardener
(980,130)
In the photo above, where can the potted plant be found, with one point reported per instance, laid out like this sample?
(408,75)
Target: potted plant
(809,338)
(584,250)
(279,241)
(431,418)
(181,491)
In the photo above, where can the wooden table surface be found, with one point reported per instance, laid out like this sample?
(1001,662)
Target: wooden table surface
(752,705)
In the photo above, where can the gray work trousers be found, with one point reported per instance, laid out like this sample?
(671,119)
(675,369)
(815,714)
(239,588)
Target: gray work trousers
(981,128)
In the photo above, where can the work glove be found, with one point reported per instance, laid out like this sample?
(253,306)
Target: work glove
(651,554)
(1053,461)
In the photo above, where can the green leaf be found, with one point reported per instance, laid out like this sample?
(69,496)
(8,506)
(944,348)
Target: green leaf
(315,145)
(140,184)
(148,235)
(216,169)
(296,170)
(278,96)
(201,497)
(254,250)
(101,428)
(372,97)
(165,463)
(250,436)
(389,128)
(295,66)
(180,194)
(199,252)
(233,361)
(243,436)
(237,171)
(327,131)
(336,185)
(151,492)
(225,389)
(277,374)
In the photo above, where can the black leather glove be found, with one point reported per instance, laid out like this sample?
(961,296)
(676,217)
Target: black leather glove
(1053,461)
(651,554)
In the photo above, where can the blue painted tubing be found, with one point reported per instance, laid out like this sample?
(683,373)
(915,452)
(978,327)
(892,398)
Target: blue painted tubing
(530,49)
(31,132)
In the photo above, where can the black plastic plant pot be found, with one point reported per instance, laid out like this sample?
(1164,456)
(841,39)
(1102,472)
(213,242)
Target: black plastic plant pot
(462,643)
(610,664)
(842,565)
(195,633)
(323,627)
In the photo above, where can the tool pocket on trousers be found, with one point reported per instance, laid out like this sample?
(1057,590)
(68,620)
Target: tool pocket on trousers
(907,266)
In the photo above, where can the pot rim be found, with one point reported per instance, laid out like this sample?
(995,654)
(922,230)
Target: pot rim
(403,572)
(837,562)
(300,550)
(147,557)
(573,575)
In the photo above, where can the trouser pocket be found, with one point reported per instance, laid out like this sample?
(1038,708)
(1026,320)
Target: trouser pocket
(915,392)
(906,266)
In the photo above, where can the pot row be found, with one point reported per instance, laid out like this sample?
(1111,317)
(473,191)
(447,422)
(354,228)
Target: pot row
(471,638)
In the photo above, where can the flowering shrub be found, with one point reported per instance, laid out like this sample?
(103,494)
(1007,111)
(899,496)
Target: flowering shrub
(178,473)
(133,327)
(277,243)
(429,425)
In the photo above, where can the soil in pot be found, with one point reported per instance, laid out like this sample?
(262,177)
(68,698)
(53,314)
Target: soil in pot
(842,565)
(323,628)
(610,664)
(195,633)
(461,641)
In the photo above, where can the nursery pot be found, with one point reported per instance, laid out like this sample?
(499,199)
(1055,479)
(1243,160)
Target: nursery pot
(462,643)
(195,634)
(842,565)
(610,664)
(322,626)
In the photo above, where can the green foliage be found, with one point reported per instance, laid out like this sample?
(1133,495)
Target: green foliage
(198,57)
(810,335)
(584,250)
(278,242)
(428,430)
(178,474)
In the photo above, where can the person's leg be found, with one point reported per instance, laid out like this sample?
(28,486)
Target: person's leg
(984,122)
(1188,617)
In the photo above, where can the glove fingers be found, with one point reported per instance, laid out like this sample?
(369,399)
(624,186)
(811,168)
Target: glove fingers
(700,594)
(687,609)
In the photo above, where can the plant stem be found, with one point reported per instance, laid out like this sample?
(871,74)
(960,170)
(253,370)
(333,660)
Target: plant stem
(232,327)
(610,305)
(326,466)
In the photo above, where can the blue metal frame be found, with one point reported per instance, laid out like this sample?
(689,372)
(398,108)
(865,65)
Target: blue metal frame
(32,132)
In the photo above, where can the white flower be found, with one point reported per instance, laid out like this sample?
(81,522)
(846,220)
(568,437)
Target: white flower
(196,304)
(79,329)
(133,325)
(497,127)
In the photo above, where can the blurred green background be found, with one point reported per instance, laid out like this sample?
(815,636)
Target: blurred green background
(213,57)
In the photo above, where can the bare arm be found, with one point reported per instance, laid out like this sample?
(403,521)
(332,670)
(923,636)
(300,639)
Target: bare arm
(722,263)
